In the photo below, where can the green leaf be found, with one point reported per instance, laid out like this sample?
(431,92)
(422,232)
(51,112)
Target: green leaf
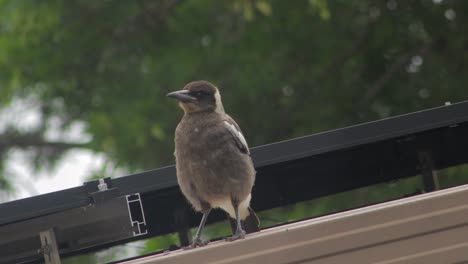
(322,8)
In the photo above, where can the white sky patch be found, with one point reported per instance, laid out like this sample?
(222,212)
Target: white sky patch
(450,14)
(72,169)
(24,114)
(70,172)
(75,133)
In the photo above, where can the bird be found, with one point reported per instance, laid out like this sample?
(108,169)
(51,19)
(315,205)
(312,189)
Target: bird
(213,164)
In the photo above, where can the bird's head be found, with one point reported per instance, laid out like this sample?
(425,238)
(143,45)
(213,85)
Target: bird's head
(199,96)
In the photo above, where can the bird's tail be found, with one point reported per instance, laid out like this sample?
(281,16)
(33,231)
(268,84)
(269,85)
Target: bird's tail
(251,223)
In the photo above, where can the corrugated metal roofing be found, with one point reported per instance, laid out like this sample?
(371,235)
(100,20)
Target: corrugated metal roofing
(428,228)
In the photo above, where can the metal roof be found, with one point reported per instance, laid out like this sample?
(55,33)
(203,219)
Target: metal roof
(428,228)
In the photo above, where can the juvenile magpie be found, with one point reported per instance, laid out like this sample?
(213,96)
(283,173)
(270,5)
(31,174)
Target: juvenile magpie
(214,168)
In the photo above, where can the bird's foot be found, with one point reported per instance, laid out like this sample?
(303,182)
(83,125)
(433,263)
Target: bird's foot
(240,234)
(197,242)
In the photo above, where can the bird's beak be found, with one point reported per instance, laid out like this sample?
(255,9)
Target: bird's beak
(182,95)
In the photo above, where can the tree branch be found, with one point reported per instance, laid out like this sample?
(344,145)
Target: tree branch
(14,139)
(375,88)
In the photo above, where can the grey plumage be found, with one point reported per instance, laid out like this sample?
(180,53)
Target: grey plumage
(214,169)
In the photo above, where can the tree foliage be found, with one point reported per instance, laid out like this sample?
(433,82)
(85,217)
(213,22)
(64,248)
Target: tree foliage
(285,68)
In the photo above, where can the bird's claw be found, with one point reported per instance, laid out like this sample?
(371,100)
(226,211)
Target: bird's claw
(197,242)
(240,234)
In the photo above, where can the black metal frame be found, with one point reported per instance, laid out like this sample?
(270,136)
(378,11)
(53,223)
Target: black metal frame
(108,217)
(287,172)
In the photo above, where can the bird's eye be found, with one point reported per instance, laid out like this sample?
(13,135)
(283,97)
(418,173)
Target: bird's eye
(201,93)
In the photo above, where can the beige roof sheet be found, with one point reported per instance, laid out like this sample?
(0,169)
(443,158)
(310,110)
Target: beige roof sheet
(428,228)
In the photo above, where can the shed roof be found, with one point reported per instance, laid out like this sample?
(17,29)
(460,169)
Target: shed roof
(428,228)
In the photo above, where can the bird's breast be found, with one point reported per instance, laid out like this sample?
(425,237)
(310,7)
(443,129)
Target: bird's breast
(212,162)
(202,138)
(209,163)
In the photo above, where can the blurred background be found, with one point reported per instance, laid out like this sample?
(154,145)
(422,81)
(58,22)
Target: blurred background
(83,82)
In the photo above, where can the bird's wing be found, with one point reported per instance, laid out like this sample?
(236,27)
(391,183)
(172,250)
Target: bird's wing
(236,133)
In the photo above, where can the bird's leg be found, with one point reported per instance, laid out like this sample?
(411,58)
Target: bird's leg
(197,242)
(240,233)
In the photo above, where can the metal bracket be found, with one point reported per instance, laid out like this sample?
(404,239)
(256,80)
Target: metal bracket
(429,175)
(49,247)
(101,190)
(137,215)
(182,226)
